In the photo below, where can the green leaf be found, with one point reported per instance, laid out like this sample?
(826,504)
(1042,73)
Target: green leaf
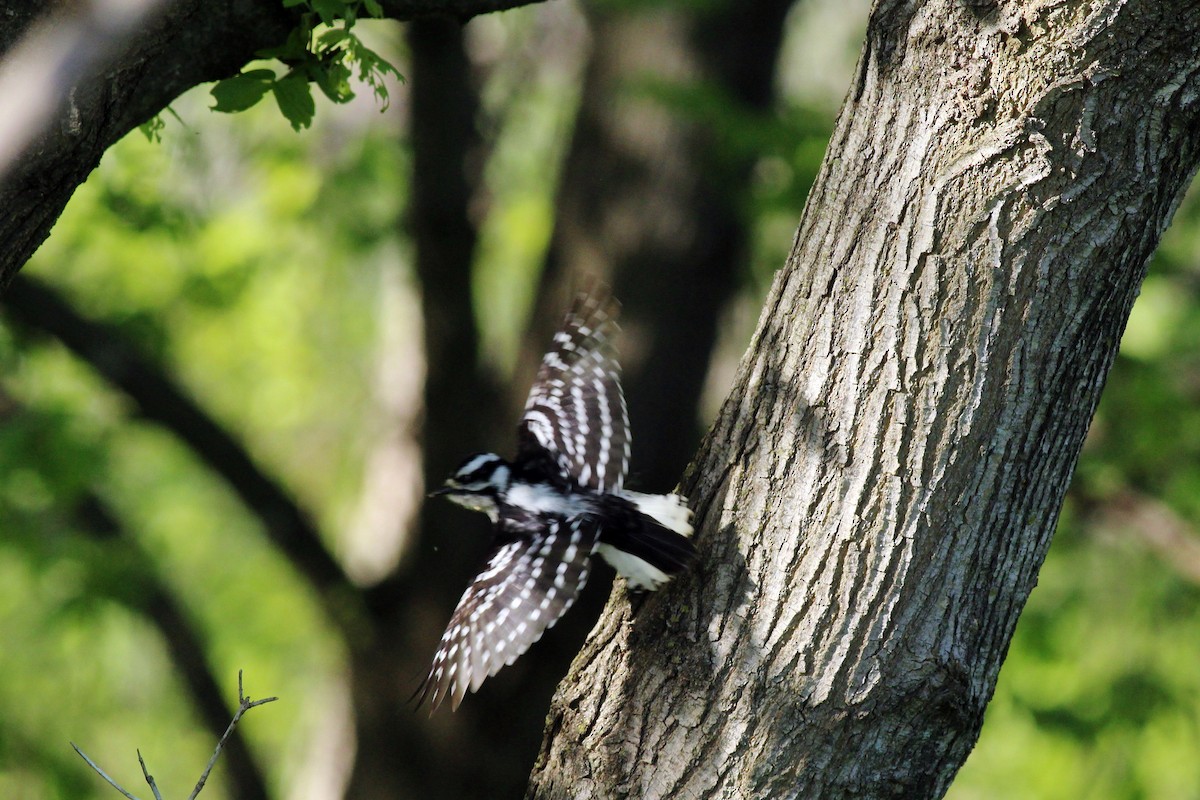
(332,36)
(153,127)
(329,10)
(242,91)
(327,58)
(295,100)
(334,79)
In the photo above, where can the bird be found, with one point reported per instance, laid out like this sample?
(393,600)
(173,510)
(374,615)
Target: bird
(560,501)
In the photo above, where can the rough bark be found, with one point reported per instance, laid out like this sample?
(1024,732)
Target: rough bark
(883,482)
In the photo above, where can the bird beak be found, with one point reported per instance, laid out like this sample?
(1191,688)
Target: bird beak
(447,489)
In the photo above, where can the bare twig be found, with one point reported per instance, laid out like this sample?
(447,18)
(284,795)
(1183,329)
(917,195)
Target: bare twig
(244,705)
(149,777)
(101,772)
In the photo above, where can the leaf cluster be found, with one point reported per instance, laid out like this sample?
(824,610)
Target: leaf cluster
(322,49)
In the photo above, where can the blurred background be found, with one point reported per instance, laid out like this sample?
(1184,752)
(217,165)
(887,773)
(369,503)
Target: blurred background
(228,377)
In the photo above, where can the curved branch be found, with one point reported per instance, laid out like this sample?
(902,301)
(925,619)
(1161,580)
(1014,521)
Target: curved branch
(190,43)
(401,753)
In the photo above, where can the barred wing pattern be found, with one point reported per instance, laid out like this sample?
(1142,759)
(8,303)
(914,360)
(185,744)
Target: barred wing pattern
(576,411)
(526,586)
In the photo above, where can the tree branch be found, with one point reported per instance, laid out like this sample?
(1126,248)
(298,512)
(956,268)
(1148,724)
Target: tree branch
(244,705)
(61,50)
(438,758)
(104,774)
(192,42)
(149,595)
(146,774)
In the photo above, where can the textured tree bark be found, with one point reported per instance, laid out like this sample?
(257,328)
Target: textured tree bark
(883,482)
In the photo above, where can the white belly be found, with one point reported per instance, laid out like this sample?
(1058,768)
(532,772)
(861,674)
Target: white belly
(640,574)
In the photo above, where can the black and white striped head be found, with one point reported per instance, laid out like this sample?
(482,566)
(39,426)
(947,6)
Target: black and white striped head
(477,483)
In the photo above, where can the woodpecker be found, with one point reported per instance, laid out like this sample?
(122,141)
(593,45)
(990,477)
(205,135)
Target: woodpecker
(558,502)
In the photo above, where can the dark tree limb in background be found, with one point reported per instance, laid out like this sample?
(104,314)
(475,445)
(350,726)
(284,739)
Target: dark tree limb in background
(382,642)
(881,486)
(462,414)
(651,200)
(188,46)
(642,203)
(402,752)
(160,399)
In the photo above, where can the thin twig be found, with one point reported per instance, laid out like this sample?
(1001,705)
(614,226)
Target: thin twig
(102,773)
(149,777)
(244,705)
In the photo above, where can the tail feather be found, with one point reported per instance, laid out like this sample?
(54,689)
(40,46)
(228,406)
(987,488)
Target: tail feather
(669,510)
(656,545)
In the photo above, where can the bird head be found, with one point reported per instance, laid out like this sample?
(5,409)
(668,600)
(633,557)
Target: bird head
(477,483)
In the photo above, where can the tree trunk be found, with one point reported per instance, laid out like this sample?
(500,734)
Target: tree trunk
(881,486)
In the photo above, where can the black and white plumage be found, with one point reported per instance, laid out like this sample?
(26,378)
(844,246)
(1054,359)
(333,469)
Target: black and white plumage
(561,500)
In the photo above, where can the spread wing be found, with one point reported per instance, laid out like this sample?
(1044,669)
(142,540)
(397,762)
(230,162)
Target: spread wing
(575,417)
(526,586)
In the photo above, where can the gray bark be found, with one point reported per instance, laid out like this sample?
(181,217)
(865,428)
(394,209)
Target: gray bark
(880,489)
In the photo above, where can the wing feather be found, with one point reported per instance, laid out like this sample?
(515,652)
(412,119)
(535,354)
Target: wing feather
(524,588)
(575,418)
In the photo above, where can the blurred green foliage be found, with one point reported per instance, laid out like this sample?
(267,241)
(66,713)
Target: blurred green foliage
(258,267)
(1100,694)
(250,261)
